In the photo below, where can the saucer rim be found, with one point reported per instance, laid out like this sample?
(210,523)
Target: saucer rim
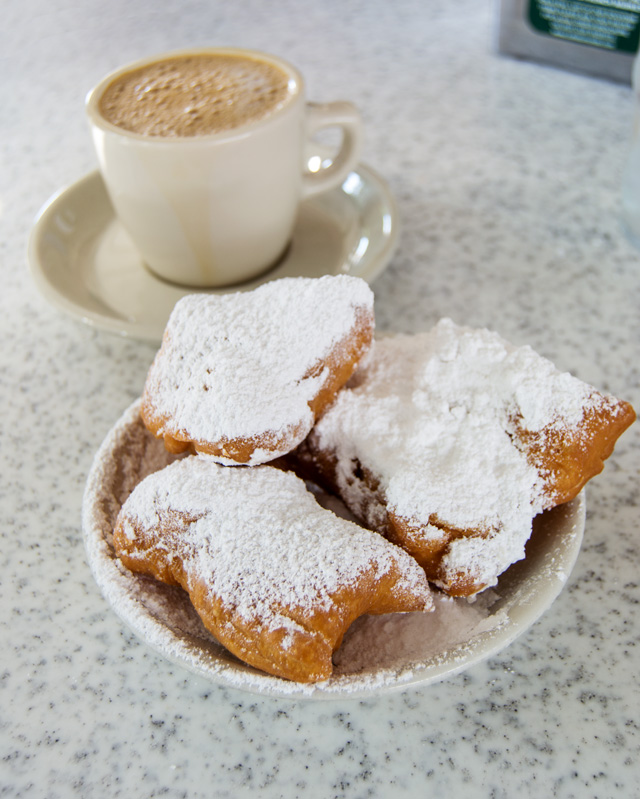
(368,270)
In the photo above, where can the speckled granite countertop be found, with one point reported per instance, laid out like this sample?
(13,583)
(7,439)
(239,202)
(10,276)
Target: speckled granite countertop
(507,179)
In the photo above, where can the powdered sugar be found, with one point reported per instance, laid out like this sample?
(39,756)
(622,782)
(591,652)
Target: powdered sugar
(259,540)
(245,365)
(433,416)
(399,639)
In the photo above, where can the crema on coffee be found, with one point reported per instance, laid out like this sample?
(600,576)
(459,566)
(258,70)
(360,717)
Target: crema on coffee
(194,95)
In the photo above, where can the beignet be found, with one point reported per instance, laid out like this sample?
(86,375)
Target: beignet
(274,576)
(450,442)
(244,376)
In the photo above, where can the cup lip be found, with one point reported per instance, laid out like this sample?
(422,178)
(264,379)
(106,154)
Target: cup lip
(98,121)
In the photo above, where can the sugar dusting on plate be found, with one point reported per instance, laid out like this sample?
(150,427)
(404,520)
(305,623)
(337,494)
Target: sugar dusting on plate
(393,641)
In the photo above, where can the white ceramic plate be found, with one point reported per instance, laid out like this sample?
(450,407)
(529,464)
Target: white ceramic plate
(379,653)
(84,262)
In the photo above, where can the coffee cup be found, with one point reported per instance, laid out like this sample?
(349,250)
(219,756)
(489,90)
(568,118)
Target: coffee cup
(204,155)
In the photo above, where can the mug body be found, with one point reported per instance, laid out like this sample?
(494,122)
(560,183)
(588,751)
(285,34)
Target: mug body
(207,210)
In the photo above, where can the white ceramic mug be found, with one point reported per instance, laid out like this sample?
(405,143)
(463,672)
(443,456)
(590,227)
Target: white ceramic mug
(218,209)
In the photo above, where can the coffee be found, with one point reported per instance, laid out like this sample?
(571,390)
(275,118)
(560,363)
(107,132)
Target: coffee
(194,95)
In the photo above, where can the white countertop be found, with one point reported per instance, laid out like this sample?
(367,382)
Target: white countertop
(507,180)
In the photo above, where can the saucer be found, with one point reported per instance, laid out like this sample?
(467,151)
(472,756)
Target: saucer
(84,262)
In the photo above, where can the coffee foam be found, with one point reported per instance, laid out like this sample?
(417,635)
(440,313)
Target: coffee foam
(194,95)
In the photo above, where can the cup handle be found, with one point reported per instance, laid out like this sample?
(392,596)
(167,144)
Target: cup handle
(342,115)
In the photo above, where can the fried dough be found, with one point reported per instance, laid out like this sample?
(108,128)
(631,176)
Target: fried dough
(244,376)
(450,442)
(274,576)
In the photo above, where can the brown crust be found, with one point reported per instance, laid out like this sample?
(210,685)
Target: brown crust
(568,459)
